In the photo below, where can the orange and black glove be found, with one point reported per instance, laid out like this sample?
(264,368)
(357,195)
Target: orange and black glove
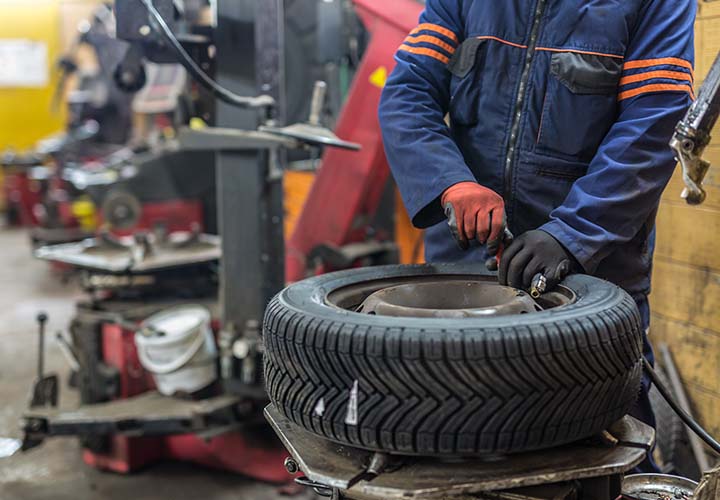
(477,213)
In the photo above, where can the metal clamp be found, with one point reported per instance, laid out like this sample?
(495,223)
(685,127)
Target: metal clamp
(694,168)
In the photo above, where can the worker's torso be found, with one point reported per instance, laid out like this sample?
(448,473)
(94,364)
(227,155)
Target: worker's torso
(533,94)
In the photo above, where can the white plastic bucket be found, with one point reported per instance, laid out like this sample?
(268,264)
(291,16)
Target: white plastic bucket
(177,346)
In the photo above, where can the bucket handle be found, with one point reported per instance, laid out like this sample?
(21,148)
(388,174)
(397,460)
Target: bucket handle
(175,364)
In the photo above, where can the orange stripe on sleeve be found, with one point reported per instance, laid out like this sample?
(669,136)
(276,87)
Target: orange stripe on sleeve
(437,29)
(641,77)
(431,39)
(425,52)
(669,61)
(658,87)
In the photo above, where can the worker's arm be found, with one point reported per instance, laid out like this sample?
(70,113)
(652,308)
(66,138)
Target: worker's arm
(622,187)
(423,158)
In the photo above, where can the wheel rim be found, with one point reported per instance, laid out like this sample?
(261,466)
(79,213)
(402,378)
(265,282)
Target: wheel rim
(443,296)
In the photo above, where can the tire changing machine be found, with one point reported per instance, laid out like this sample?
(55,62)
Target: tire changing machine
(124,423)
(250,221)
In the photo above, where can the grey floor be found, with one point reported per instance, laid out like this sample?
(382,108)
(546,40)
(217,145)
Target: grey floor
(55,470)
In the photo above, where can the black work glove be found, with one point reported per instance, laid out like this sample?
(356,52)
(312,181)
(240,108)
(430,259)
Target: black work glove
(532,253)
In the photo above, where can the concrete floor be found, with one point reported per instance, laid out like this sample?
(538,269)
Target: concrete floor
(55,470)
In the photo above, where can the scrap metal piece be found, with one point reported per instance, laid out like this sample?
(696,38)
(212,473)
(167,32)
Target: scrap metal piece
(341,467)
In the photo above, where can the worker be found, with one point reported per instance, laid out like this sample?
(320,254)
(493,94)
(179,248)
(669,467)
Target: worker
(559,113)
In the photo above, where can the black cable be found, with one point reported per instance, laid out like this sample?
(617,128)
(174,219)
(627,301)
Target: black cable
(196,71)
(689,421)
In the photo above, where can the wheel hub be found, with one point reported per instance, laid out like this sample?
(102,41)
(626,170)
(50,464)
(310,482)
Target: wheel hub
(449,299)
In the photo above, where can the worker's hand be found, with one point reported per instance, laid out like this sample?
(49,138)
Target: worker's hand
(532,253)
(475,212)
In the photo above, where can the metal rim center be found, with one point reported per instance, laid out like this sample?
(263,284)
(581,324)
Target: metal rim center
(442,296)
(448,299)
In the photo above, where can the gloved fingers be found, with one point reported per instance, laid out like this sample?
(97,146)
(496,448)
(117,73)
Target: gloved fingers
(482,226)
(498,227)
(468,224)
(496,250)
(508,255)
(531,269)
(558,274)
(455,229)
(517,266)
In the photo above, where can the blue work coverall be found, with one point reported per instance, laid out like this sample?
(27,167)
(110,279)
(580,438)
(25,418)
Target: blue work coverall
(563,107)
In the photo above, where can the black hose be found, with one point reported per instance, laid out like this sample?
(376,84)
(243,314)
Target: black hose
(689,421)
(196,71)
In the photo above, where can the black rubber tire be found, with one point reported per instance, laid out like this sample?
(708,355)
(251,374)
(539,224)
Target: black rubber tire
(451,387)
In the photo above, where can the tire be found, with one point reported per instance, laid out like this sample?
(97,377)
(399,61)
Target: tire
(455,387)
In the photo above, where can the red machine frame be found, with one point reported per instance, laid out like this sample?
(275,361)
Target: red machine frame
(231,451)
(352,183)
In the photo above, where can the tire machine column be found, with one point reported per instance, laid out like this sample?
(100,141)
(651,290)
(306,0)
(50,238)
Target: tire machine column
(249,187)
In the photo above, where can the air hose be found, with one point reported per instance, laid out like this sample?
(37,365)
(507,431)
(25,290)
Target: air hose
(684,416)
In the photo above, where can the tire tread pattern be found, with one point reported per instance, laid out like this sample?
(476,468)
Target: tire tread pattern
(459,392)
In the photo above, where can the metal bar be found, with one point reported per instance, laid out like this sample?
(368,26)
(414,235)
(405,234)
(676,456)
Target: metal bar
(677,387)
(41,319)
(270,53)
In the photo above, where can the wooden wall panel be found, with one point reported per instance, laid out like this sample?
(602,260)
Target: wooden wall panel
(696,350)
(694,236)
(705,405)
(686,293)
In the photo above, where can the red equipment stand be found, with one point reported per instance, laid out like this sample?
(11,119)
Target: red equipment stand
(234,451)
(21,195)
(352,182)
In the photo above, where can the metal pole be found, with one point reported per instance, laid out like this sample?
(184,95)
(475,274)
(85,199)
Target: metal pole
(677,387)
(249,45)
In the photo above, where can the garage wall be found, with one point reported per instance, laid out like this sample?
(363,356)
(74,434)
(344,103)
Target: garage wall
(686,279)
(25,113)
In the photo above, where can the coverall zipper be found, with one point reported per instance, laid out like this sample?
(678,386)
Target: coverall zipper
(520,99)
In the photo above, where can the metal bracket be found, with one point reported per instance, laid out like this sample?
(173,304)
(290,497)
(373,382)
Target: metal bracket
(337,467)
(147,414)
